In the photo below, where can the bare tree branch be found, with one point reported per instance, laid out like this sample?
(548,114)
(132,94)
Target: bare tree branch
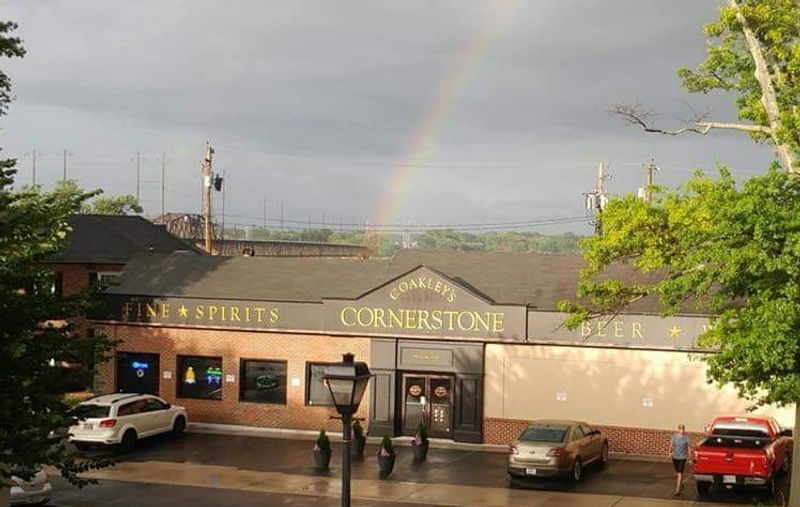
(635,114)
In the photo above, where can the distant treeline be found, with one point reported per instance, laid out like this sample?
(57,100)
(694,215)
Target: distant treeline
(440,239)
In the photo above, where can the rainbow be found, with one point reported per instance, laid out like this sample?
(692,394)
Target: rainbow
(450,87)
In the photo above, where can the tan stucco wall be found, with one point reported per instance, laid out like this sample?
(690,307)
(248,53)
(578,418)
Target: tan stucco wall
(607,386)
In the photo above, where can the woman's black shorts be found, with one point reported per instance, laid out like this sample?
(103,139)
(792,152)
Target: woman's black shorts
(679,465)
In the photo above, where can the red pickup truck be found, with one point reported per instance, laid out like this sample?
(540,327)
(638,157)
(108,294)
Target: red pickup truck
(742,451)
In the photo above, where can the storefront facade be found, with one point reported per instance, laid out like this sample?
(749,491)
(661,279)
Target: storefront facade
(441,347)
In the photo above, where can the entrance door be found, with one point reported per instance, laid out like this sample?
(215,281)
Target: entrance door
(427,398)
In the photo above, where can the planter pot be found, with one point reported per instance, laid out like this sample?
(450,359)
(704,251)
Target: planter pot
(357,447)
(385,464)
(322,459)
(421,450)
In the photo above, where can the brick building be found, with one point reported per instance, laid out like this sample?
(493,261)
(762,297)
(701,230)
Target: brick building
(471,343)
(99,246)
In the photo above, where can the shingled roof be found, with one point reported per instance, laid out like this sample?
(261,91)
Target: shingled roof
(537,280)
(116,239)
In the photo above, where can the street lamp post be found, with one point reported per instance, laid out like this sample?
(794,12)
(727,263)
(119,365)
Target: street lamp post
(347,382)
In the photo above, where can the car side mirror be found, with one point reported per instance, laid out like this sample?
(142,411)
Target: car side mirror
(786,433)
(167,407)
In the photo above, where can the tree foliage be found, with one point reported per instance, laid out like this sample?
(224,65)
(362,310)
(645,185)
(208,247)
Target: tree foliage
(36,325)
(754,54)
(94,202)
(712,247)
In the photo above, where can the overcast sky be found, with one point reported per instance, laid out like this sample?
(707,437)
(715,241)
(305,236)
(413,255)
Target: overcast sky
(317,103)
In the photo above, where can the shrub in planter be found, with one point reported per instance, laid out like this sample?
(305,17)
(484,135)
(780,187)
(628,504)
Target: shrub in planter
(322,451)
(386,456)
(420,442)
(359,440)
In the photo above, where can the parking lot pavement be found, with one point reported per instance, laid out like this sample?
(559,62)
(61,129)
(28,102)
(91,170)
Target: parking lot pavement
(630,480)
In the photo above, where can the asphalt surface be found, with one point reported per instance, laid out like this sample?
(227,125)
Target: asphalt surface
(628,478)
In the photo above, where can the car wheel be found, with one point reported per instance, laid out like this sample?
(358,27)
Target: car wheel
(178,427)
(128,443)
(703,487)
(604,455)
(577,469)
(787,465)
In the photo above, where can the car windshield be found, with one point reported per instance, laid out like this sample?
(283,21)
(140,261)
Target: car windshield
(540,434)
(91,411)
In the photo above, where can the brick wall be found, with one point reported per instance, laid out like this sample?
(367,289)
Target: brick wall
(232,346)
(620,439)
(76,276)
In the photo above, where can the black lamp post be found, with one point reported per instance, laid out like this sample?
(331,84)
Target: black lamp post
(347,381)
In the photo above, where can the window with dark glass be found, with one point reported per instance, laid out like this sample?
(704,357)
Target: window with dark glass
(200,377)
(263,381)
(317,393)
(137,372)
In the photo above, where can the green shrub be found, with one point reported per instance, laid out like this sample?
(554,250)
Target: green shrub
(358,430)
(386,445)
(422,431)
(323,442)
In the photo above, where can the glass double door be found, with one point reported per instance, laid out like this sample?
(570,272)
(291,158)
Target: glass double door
(429,399)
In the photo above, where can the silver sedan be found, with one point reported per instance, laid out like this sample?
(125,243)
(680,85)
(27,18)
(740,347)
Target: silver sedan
(550,448)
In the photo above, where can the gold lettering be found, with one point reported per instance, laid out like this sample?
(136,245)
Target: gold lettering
(343,316)
(436,317)
(410,319)
(361,321)
(636,330)
(395,320)
(497,323)
(452,296)
(199,311)
(428,283)
(438,287)
(127,308)
(164,310)
(260,314)
(461,325)
(247,314)
(235,314)
(618,329)
(482,322)
(602,326)
(450,316)
(274,315)
(151,310)
(586,328)
(394,294)
(379,322)
(423,317)
(212,311)
(402,287)
(222,313)
(412,284)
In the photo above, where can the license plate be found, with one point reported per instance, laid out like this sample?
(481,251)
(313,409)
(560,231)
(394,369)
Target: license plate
(87,426)
(729,479)
(530,471)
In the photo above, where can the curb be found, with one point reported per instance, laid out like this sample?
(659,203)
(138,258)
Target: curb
(435,443)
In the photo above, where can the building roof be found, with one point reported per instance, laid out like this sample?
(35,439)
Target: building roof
(115,239)
(537,280)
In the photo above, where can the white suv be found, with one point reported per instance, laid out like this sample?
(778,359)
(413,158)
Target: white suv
(123,418)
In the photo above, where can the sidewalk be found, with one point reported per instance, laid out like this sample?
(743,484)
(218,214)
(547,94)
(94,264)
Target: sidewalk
(455,477)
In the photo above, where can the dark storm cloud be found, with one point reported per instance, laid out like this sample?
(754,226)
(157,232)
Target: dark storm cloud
(315,102)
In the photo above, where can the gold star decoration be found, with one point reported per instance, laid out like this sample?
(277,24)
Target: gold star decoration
(183,311)
(674,332)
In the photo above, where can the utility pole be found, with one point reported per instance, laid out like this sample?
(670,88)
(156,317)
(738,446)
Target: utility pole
(265,216)
(597,198)
(33,171)
(138,177)
(223,204)
(647,193)
(64,172)
(281,215)
(208,176)
(163,182)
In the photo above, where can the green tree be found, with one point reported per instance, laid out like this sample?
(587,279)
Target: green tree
(124,204)
(116,205)
(730,251)
(754,54)
(32,228)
